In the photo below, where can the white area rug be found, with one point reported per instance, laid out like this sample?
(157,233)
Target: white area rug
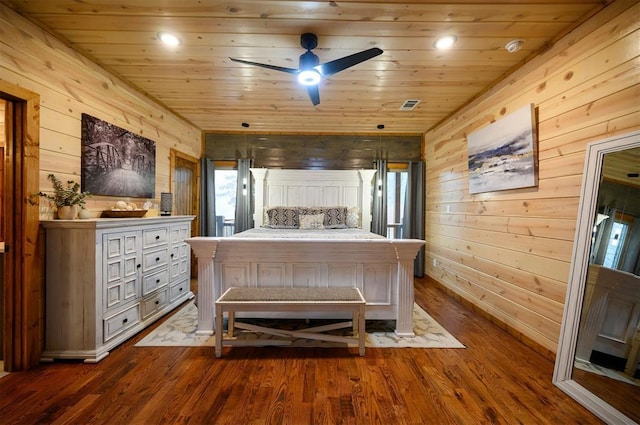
(179,331)
(601,370)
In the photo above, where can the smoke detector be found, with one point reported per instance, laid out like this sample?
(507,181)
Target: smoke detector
(514,45)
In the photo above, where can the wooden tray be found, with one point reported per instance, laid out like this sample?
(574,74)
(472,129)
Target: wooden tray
(123,213)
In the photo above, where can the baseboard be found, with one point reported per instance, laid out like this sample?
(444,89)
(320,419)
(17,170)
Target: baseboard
(535,346)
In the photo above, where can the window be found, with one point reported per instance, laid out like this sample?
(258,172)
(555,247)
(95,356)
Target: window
(225,190)
(396,193)
(615,245)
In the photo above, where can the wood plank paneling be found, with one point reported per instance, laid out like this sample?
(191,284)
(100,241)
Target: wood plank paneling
(199,81)
(69,85)
(495,249)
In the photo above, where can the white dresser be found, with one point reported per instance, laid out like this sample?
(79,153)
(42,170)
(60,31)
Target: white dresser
(109,278)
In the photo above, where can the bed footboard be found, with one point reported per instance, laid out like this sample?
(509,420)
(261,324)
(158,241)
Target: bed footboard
(382,269)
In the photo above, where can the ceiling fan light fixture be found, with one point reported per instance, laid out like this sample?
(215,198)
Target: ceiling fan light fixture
(169,39)
(445,42)
(309,77)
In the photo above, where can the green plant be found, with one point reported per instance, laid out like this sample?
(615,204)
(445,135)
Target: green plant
(65,195)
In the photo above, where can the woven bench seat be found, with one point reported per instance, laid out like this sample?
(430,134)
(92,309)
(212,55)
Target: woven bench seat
(290,299)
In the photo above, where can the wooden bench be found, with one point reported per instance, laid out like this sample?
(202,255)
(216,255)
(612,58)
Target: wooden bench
(287,300)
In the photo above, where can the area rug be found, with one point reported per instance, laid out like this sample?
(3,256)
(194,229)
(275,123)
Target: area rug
(179,331)
(603,371)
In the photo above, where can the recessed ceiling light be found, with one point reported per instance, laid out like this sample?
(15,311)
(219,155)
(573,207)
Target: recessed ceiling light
(445,42)
(514,45)
(169,39)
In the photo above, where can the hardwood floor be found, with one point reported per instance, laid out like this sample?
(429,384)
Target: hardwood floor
(495,380)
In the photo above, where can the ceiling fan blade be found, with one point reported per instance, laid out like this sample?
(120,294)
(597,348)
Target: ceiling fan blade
(264,65)
(314,94)
(332,67)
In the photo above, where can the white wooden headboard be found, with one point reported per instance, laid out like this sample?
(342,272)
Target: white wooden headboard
(307,188)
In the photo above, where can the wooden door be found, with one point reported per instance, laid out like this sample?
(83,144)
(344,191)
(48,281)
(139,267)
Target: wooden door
(185,186)
(612,315)
(2,216)
(22,293)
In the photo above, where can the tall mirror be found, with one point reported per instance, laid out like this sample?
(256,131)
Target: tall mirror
(599,347)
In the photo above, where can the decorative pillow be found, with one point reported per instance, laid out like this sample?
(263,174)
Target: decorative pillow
(353,217)
(314,221)
(334,217)
(283,218)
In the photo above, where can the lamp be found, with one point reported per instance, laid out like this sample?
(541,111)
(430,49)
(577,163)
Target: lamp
(166,203)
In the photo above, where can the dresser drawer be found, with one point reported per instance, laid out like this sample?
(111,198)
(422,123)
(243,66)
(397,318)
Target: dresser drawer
(154,259)
(120,293)
(155,237)
(180,233)
(154,281)
(115,325)
(179,268)
(179,290)
(154,303)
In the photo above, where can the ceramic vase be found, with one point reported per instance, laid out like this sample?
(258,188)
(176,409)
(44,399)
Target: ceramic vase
(84,213)
(66,212)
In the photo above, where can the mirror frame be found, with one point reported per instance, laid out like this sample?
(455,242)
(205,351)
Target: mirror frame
(562,373)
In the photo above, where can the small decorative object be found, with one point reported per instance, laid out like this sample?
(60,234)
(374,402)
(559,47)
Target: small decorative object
(124,209)
(68,198)
(166,203)
(503,155)
(84,213)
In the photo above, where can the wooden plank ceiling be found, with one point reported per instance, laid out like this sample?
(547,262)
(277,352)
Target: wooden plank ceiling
(198,81)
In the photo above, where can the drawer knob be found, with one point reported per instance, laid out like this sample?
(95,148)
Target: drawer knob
(125,320)
(157,237)
(180,290)
(157,258)
(157,280)
(138,266)
(172,255)
(157,302)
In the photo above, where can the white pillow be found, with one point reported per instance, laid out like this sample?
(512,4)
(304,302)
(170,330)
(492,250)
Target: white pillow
(315,221)
(353,217)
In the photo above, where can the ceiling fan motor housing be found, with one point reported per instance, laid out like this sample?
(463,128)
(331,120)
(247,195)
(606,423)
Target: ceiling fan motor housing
(308,60)
(309,41)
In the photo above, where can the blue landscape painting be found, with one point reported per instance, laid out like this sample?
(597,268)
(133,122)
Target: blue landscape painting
(503,155)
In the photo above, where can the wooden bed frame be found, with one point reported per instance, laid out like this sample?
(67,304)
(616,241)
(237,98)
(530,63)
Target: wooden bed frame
(381,268)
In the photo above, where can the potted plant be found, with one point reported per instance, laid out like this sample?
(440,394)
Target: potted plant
(68,198)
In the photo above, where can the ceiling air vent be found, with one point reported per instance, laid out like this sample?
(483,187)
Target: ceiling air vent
(408,105)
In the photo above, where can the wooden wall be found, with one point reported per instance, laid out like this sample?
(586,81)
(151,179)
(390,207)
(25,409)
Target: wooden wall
(508,253)
(69,85)
(312,151)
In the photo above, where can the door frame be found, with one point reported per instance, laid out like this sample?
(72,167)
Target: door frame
(23,291)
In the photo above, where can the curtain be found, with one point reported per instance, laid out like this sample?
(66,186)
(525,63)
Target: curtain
(379,203)
(207,198)
(413,220)
(244,197)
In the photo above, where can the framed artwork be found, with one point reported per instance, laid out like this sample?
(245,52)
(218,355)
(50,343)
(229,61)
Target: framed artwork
(116,162)
(503,155)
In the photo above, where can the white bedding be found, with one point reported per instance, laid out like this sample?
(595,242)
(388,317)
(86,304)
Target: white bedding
(346,234)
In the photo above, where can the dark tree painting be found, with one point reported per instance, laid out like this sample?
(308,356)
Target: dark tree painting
(116,162)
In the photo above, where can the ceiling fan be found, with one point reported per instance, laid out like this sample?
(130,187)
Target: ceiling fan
(310,69)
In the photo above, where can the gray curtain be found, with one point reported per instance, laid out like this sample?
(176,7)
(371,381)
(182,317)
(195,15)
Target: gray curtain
(379,203)
(413,220)
(207,198)
(244,197)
